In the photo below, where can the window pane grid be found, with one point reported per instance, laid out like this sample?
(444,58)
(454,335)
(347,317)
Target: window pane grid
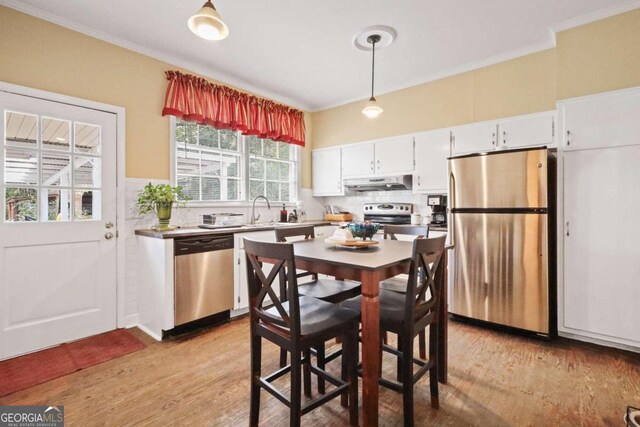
(47,176)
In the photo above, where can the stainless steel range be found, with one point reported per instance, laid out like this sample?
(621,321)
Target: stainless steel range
(388,213)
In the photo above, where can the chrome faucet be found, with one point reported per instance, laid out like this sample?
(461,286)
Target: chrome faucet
(254,218)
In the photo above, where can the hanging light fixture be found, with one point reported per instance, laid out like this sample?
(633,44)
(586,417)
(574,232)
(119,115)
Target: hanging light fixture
(372,109)
(207,24)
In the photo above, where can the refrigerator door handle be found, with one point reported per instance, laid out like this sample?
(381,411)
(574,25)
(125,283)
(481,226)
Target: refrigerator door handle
(567,228)
(452,187)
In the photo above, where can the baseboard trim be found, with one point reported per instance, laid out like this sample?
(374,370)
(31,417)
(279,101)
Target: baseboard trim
(131,321)
(599,342)
(148,332)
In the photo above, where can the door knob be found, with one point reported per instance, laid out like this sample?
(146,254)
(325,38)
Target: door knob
(109,225)
(108,235)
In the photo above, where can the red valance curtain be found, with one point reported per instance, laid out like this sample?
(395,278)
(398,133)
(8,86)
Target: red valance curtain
(195,99)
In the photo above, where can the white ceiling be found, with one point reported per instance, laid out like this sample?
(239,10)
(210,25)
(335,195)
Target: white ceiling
(302,53)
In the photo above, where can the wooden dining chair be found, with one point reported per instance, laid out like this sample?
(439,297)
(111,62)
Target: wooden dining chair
(409,313)
(399,284)
(329,290)
(296,325)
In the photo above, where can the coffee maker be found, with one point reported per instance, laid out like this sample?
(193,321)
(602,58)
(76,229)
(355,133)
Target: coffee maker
(438,206)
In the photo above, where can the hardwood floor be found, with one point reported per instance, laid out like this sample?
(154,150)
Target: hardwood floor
(495,379)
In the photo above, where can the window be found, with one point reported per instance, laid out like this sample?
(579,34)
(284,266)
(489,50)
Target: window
(51,169)
(222,165)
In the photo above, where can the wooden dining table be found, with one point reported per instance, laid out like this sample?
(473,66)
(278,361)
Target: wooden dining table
(370,266)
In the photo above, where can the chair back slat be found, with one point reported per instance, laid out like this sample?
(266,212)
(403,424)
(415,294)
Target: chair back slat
(260,284)
(306,231)
(392,231)
(425,264)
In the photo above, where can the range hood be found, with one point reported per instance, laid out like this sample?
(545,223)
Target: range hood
(389,183)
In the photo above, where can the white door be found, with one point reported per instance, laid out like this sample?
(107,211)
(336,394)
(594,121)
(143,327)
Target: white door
(606,120)
(432,151)
(475,138)
(394,156)
(526,131)
(601,235)
(326,172)
(357,160)
(57,229)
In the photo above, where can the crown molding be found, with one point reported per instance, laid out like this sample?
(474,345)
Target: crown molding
(212,73)
(595,16)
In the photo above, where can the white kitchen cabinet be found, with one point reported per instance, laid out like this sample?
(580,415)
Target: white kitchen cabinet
(526,131)
(327,172)
(358,160)
(601,291)
(610,119)
(324,231)
(431,152)
(394,156)
(474,138)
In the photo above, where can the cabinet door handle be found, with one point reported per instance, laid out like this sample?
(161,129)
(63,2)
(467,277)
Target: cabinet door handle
(419,181)
(504,136)
(371,165)
(493,138)
(338,185)
(378,164)
(567,228)
(568,137)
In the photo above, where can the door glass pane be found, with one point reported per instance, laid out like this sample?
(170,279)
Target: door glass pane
(187,161)
(21,166)
(21,204)
(210,188)
(86,205)
(190,186)
(21,130)
(58,207)
(86,172)
(55,134)
(56,169)
(87,138)
(210,163)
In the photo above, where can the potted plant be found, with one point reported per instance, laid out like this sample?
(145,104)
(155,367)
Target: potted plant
(160,199)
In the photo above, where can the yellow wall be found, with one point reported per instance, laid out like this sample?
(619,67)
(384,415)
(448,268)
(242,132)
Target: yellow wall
(600,56)
(42,55)
(592,58)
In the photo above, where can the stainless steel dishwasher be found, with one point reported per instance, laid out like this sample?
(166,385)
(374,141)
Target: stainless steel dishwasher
(203,277)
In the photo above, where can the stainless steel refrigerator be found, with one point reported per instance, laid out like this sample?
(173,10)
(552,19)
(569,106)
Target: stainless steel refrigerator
(502,208)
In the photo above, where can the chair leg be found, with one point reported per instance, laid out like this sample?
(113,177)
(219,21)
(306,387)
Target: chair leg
(296,397)
(307,373)
(320,356)
(433,373)
(407,381)
(345,372)
(283,358)
(399,362)
(256,360)
(352,357)
(422,344)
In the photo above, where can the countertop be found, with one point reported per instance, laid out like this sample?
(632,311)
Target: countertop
(193,231)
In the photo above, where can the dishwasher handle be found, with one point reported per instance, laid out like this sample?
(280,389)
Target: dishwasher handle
(202,244)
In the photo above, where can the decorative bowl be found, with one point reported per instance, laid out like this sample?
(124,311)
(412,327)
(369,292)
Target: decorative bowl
(363,229)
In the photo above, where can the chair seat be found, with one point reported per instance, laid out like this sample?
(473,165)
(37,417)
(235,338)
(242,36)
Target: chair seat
(395,284)
(391,309)
(317,316)
(330,290)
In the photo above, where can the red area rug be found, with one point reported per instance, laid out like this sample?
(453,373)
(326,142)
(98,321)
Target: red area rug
(36,368)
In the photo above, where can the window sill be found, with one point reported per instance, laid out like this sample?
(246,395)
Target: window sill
(236,204)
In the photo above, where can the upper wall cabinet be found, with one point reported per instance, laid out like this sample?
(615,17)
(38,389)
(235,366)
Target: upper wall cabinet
(474,138)
(606,120)
(385,157)
(529,130)
(327,172)
(358,160)
(432,150)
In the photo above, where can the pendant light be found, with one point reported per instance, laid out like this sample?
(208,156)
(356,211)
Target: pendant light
(372,109)
(207,24)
